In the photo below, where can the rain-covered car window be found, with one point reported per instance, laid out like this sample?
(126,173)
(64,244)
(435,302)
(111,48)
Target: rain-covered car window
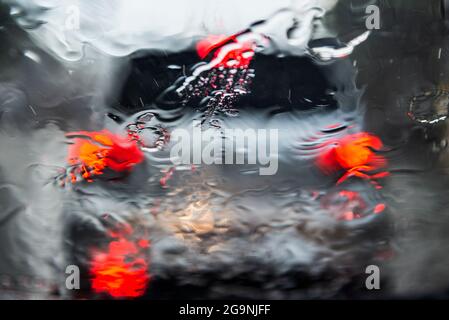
(292,149)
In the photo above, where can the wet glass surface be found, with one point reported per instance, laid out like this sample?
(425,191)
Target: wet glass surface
(89,113)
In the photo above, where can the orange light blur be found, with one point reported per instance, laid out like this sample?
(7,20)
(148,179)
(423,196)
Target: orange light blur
(122,270)
(231,52)
(355,154)
(349,205)
(92,152)
(211,42)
